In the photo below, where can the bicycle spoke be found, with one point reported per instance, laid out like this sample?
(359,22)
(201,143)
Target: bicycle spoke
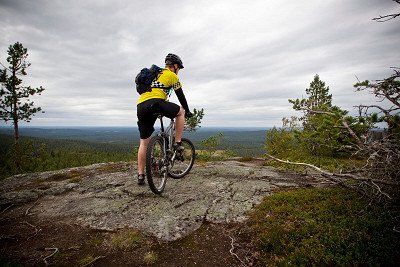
(183,160)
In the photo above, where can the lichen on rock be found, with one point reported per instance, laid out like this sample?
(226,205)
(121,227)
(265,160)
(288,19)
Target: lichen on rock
(107,197)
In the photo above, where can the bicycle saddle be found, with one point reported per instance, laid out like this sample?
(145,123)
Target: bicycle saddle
(154,107)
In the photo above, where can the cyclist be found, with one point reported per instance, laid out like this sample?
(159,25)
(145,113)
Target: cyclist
(156,101)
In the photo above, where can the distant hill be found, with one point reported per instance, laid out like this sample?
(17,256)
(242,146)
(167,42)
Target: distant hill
(243,141)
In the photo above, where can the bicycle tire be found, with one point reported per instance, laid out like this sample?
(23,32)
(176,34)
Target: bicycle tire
(192,153)
(151,164)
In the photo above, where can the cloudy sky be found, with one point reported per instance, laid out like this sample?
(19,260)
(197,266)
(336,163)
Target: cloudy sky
(243,59)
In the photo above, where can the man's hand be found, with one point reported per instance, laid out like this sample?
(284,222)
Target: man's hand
(193,120)
(188,114)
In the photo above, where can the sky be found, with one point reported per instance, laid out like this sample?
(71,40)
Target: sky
(243,59)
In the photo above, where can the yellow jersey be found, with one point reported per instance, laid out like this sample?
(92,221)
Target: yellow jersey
(162,86)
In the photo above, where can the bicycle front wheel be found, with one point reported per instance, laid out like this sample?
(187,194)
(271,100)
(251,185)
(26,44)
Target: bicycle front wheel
(183,161)
(156,167)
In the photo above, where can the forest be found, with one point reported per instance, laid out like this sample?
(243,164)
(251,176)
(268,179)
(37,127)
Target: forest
(56,148)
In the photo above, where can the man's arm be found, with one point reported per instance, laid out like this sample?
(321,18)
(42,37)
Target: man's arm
(182,100)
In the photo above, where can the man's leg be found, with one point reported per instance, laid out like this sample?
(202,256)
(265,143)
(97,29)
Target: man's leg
(179,124)
(142,155)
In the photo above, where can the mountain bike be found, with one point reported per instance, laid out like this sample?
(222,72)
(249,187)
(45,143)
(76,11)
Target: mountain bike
(163,161)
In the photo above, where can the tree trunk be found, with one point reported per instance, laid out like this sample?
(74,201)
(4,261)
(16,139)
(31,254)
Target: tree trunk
(16,132)
(17,155)
(16,129)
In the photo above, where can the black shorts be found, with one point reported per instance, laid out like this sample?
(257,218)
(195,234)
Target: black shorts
(146,117)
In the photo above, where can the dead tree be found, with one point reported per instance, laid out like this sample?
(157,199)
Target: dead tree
(379,177)
(387,17)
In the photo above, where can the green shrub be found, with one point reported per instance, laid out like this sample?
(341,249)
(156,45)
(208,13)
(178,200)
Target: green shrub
(44,155)
(288,143)
(324,227)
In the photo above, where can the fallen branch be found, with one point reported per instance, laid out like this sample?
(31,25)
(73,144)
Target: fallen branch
(380,191)
(51,255)
(344,175)
(95,259)
(232,248)
(28,209)
(7,208)
(336,177)
(36,229)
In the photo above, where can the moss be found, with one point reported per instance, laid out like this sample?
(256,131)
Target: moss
(113,167)
(60,177)
(126,239)
(39,181)
(323,227)
(245,159)
(75,180)
(74,176)
(62,257)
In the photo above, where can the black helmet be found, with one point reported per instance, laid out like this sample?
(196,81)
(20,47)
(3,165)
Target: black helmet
(173,59)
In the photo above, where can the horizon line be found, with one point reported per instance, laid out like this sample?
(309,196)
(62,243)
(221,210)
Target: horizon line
(121,126)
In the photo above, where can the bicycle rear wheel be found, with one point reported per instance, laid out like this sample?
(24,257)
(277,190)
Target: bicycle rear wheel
(156,170)
(184,161)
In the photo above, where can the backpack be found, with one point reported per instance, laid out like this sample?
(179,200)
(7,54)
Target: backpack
(145,77)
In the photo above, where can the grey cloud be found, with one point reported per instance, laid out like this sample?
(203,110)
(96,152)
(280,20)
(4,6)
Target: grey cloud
(237,54)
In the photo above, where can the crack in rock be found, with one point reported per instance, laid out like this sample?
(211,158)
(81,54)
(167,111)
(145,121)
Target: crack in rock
(183,203)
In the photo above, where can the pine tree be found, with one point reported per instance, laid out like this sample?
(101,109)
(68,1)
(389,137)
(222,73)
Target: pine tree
(15,105)
(321,133)
(318,97)
(318,94)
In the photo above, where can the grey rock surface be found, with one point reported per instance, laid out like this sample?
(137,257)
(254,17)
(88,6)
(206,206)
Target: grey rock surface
(106,196)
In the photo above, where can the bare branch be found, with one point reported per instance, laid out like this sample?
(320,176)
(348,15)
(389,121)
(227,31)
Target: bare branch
(386,17)
(380,191)
(3,211)
(34,203)
(386,111)
(36,229)
(336,177)
(232,248)
(92,261)
(55,250)
(5,67)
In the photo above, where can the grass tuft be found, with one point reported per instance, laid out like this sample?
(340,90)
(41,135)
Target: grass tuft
(150,258)
(127,238)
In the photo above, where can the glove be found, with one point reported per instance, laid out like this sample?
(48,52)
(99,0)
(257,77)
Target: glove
(188,114)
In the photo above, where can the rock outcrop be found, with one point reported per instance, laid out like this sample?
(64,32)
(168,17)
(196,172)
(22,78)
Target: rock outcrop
(106,196)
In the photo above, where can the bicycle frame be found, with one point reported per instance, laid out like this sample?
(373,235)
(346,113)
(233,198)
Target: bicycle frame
(167,135)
